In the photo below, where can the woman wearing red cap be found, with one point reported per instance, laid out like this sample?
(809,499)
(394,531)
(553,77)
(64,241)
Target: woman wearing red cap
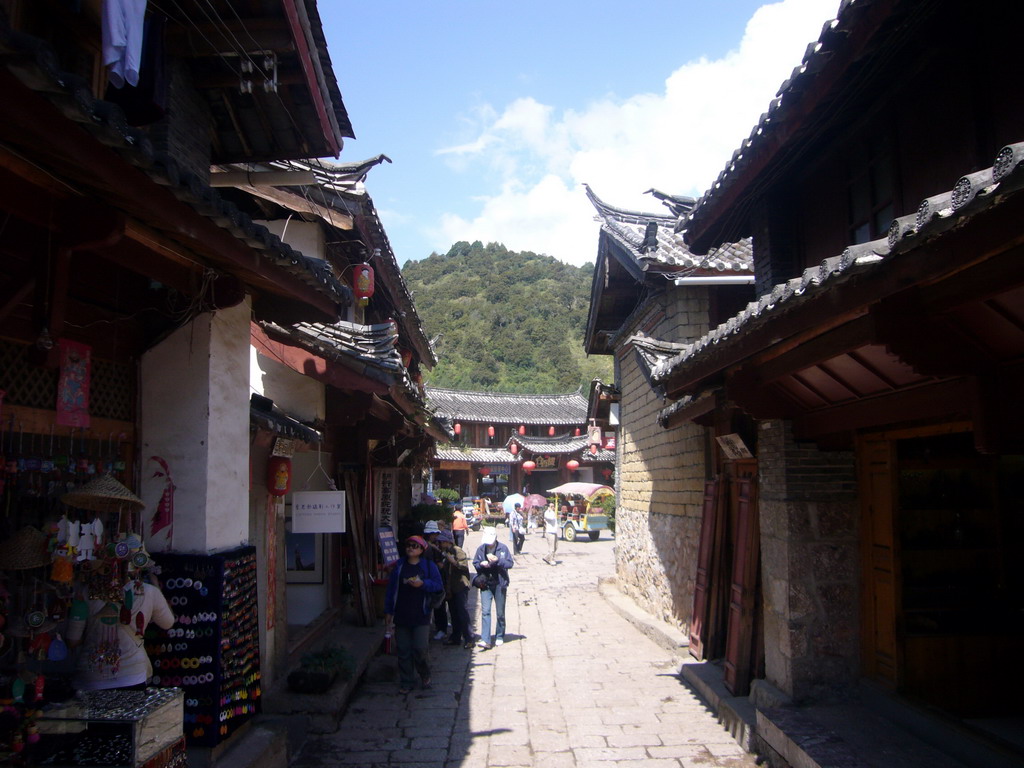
(407,609)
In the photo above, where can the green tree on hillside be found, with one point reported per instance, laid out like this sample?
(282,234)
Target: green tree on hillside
(507,321)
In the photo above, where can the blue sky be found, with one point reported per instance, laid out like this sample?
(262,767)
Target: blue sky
(494,114)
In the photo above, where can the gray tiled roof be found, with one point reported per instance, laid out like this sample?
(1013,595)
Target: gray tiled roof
(368,349)
(935,215)
(500,408)
(563,445)
(629,228)
(36,64)
(476,455)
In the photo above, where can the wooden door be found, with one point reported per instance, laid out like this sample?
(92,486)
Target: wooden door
(699,620)
(879,593)
(740,653)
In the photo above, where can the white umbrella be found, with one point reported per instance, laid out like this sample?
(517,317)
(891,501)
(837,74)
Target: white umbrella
(511,500)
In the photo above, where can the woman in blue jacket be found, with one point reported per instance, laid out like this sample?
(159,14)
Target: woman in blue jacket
(407,610)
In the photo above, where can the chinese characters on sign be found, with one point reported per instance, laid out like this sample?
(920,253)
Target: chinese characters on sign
(385,495)
(318,512)
(388,546)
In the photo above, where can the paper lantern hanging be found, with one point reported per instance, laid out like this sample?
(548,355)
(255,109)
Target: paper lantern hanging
(572,465)
(362,283)
(593,449)
(490,431)
(513,449)
(458,428)
(577,431)
(279,475)
(529,466)
(485,471)
(551,431)
(522,429)
(606,473)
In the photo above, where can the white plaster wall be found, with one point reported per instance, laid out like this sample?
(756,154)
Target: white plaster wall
(194,414)
(299,396)
(227,500)
(304,236)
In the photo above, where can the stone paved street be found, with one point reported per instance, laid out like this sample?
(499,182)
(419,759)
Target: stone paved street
(575,685)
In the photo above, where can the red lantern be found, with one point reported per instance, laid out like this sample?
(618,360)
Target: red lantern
(362,283)
(551,431)
(522,429)
(458,428)
(279,475)
(577,431)
(529,466)
(485,471)
(593,449)
(514,449)
(490,431)
(572,465)
(606,473)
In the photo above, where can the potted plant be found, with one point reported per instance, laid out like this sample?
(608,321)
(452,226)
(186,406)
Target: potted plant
(319,669)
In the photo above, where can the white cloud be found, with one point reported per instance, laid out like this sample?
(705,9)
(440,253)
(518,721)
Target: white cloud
(677,141)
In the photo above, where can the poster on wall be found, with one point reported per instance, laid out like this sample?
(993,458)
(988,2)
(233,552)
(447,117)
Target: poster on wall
(385,485)
(73,383)
(318,512)
(304,558)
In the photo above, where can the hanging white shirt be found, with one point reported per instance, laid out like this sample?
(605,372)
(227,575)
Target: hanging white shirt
(123,23)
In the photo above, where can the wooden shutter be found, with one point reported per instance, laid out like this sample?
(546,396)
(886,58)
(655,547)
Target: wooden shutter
(699,621)
(739,650)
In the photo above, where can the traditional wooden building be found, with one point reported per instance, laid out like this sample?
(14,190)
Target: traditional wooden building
(496,433)
(647,282)
(874,383)
(144,303)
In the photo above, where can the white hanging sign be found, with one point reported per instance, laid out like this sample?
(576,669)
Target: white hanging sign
(318,512)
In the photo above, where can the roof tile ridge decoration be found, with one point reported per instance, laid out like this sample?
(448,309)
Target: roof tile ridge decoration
(333,178)
(935,215)
(671,251)
(35,64)
(815,58)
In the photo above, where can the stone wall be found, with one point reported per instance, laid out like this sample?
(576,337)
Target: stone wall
(660,474)
(809,564)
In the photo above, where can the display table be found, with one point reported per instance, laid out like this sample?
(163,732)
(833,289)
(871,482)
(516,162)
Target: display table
(133,729)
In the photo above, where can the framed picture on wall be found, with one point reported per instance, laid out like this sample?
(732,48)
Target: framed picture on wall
(304,558)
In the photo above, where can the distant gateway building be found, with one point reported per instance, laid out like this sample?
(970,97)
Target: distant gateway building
(496,434)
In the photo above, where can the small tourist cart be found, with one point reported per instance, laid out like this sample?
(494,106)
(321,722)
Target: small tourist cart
(581,509)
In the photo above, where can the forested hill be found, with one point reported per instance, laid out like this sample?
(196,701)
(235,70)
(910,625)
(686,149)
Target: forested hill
(508,321)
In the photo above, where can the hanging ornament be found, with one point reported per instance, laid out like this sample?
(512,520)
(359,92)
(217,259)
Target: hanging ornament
(522,429)
(362,283)
(490,431)
(458,428)
(572,465)
(514,449)
(551,431)
(529,466)
(279,475)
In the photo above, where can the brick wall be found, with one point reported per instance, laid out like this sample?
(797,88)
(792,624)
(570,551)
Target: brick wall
(809,564)
(184,133)
(660,474)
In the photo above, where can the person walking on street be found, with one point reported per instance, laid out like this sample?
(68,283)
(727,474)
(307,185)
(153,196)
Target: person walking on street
(517,526)
(492,561)
(407,611)
(551,533)
(459,527)
(430,532)
(456,573)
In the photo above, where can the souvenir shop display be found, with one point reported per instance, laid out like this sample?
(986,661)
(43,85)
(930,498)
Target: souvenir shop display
(76,597)
(213,651)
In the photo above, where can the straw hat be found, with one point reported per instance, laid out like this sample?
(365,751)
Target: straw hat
(103,494)
(25,549)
